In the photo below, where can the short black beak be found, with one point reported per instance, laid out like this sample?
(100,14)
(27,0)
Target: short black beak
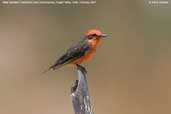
(104,35)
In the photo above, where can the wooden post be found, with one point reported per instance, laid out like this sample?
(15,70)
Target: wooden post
(80,94)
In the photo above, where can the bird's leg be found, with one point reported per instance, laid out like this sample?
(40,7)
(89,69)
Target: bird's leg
(81,68)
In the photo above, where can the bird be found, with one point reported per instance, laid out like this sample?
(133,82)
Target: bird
(80,52)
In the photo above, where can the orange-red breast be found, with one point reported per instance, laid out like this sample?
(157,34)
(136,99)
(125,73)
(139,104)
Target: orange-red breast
(82,51)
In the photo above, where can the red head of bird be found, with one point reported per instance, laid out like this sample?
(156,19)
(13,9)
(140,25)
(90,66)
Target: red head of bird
(94,36)
(95,33)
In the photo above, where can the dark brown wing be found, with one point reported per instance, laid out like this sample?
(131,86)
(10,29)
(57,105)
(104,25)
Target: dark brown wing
(75,52)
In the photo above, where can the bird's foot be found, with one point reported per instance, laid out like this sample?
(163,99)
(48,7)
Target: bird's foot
(81,68)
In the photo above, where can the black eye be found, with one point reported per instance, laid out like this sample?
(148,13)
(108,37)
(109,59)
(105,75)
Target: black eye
(94,35)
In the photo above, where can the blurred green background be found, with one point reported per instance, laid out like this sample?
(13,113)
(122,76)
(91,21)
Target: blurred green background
(130,73)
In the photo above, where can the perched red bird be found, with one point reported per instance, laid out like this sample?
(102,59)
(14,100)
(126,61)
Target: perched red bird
(82,51)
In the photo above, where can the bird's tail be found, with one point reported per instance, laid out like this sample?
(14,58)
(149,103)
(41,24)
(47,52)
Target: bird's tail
(45,71)
(53,67)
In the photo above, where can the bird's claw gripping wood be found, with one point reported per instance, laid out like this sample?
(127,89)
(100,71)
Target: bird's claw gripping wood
(79,67)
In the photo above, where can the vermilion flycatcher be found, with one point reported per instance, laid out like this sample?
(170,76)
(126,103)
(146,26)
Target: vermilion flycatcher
(82,51)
